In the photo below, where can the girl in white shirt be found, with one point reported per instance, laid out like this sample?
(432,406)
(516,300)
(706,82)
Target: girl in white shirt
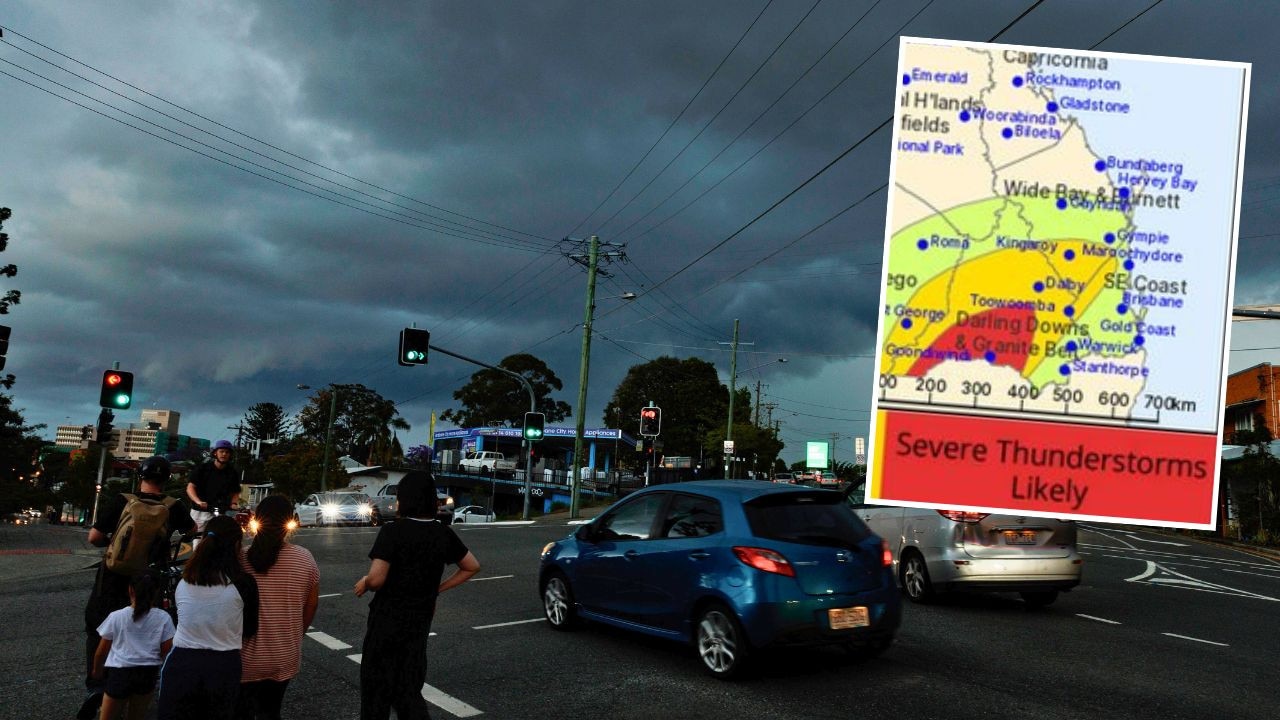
(217,609)
(135,640)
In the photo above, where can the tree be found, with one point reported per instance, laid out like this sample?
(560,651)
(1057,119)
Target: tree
(264,421)
(363,422)
(11,297)
(295,472)
(693,400)
(1254,482)
(419,457)
(492,396)
(19,448)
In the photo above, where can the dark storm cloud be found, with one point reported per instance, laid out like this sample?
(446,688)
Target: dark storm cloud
(223,289)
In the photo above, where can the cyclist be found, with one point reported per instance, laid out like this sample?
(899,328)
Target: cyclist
(111,589)
(214,485)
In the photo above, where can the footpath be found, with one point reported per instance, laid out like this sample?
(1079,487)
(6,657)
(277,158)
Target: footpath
(41,550)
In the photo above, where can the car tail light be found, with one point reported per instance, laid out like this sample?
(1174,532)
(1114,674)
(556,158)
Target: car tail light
(766,560)
(962,516)
(886,554)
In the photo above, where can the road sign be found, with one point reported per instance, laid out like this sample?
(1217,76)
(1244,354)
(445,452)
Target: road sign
(728,446)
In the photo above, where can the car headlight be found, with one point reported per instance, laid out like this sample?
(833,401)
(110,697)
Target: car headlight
(547,548)
(364,509)
(330,509)
(253,526)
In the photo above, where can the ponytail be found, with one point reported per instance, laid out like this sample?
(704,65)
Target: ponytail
(145,587)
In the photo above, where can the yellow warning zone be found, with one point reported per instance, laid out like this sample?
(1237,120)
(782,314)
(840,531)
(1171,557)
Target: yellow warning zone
(1054,284)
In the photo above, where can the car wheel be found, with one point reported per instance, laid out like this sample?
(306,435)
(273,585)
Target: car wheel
(915,578)
(1039,599)
(720,642)
(557,602)
(484,470)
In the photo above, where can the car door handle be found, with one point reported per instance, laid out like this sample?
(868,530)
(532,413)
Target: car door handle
(699,555)
(631,554)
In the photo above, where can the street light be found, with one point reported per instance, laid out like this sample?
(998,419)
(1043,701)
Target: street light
(733,390)
(328,433)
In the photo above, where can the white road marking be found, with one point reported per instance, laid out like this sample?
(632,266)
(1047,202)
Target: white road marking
(331,595)
(1166,555)
(506,624)
(437,697)
(492,577)
(577,522)
(1186,581)
(1098,619)
(1187,637)
(1099,532)
(328,640)
(448,703)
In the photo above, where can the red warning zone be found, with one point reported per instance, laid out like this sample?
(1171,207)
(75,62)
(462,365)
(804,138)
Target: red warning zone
(1026,465)
(1006,333)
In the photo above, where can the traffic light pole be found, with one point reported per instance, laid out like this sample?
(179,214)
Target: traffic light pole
(533,407)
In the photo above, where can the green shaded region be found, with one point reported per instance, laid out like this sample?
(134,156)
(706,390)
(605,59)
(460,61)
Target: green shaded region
(1100,331)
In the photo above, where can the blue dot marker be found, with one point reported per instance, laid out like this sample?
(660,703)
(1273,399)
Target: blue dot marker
(1124,192)
(1122,308)
(1100,166)
(964,116)
(906,79)
(906,323)
(1064,369)
(1062,203)
(1072,346)
(1017,81)
(1038,287)
(1006,133)
(922,244)
(1128,264)
(1051,107)
(1069,311)
(990,356)
(1070,254)
(1139,340)
(1109,237)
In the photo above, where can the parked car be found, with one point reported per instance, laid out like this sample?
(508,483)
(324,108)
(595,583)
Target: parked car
(334,508)
(729,566)
(473,514)
(484,461)
(940,551)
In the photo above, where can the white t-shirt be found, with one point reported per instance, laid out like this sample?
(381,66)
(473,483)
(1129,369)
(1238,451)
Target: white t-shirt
(136,644)
(210,617)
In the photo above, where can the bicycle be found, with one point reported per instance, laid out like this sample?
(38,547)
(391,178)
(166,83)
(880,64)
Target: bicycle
(170,572)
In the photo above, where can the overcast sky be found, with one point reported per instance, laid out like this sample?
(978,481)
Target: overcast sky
(466,140)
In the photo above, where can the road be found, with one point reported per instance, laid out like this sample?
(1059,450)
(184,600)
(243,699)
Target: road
(1162,627)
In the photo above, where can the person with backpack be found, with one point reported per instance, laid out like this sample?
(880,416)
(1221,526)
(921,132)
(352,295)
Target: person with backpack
(214,485)
(135,640)
(135,529)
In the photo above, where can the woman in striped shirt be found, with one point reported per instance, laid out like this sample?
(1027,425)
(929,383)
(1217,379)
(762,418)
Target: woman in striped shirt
(288,591)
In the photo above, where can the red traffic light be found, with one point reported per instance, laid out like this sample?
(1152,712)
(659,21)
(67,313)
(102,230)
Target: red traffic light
(113,379)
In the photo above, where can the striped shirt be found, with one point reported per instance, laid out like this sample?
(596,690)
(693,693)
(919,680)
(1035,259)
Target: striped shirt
(276,651)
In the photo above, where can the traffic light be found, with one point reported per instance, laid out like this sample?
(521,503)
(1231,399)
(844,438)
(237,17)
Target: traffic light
(533,426)
(104,425)
(414,343)
(650,421)
(117,390)
(4,343)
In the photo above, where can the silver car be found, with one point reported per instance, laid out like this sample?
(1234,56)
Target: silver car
(939,551)
(334,508)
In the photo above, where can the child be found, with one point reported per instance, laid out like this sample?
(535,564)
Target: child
(135,641)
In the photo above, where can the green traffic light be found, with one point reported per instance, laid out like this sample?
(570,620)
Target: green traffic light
(122,400)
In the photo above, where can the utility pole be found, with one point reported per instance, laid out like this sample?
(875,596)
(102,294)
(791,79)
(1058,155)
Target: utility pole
(328,438)
(733,390)
(591,261)
(756,422)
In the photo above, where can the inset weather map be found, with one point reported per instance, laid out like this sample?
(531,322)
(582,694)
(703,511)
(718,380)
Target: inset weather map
(1060,251)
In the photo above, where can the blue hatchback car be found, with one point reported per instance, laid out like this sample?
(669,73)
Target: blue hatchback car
(729,566)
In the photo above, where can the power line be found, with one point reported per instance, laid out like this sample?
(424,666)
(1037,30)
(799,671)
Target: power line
(676,120)
(257,140)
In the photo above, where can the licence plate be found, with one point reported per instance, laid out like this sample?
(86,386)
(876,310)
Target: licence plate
(845,618)
(1019,537)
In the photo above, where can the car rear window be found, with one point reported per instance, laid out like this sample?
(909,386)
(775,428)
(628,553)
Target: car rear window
(808,518)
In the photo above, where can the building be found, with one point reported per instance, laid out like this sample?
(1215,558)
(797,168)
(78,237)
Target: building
(1252,397)
(156,433)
